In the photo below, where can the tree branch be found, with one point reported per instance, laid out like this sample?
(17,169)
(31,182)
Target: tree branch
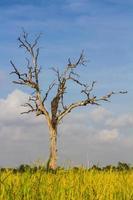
(48,91)
(93,101)
(32,109)
(80,61)
(63,78)
(31,77)
(107,97)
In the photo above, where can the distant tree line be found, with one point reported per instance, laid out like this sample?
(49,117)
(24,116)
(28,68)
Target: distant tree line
(121,166)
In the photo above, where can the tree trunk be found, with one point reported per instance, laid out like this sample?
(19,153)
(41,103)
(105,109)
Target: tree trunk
(52,162)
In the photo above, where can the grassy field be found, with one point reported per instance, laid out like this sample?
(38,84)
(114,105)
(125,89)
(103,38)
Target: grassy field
(71,184)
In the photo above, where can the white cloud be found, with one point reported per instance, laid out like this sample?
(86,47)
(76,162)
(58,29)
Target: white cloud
(24,138)
(11,106)
(108,135)
(12,122)
(99,114)
(125,120)
(103,116)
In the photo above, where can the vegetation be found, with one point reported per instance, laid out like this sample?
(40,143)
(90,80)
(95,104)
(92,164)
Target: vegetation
(36,183)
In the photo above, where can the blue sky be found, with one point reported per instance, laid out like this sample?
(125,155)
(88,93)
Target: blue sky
(103,28)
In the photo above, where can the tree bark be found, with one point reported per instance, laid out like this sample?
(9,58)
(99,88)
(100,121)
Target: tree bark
(52,162)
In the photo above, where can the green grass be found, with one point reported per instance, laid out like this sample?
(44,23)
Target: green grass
(71,184)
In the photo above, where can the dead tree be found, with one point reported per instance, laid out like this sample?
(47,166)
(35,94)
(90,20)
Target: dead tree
(37,102)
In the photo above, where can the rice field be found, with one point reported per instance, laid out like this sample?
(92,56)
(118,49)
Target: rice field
(70,184)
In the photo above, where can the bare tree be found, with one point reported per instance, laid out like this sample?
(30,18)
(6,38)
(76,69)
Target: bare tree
(37,102)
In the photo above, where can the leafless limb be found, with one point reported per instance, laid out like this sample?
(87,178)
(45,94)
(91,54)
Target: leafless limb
(31,77)
(32,109)
(93,101)
(80,61)
(49,89)
(107,97)
(87,89)
(70,74)
(62,79)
